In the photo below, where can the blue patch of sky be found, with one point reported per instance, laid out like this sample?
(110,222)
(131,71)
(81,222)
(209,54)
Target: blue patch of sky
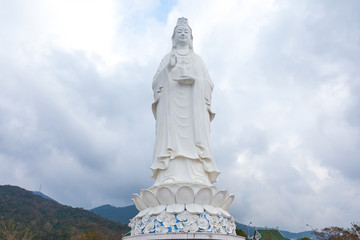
(158,10)
(163,9)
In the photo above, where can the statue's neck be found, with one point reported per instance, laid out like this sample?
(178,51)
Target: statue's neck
(182,50)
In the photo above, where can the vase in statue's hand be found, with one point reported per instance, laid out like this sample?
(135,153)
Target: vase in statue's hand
(172,61)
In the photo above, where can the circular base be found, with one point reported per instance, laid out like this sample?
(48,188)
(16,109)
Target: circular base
(184,222)
(183,236)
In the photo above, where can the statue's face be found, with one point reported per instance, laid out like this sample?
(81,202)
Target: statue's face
(182,35)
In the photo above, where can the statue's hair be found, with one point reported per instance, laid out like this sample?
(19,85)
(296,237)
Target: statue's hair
(182,22)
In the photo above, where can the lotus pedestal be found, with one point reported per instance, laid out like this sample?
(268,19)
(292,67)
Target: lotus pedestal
(179,211)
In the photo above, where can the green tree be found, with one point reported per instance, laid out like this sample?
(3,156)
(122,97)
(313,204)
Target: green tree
(339,233)
(11,230)
(269,237)
(305,238)
(92,234)
(240,232)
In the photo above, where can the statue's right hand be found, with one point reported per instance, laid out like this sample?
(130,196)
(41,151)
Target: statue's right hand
(172,61)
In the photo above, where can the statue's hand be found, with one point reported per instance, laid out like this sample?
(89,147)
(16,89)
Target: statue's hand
(172,61)
(207,101)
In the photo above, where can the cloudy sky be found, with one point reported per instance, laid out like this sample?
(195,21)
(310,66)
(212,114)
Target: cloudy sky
(75,101)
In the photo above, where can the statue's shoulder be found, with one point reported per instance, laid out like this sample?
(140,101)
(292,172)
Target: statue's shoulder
(166,58)
(199,59)
(196,55)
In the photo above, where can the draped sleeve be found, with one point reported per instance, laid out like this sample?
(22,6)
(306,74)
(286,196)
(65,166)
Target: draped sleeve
(159,82)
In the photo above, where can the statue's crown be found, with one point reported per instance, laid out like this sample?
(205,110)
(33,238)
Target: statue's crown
(182,21)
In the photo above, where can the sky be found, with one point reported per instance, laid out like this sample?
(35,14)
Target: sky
(75,102)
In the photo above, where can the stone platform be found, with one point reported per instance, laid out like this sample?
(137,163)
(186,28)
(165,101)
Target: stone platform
(181,236)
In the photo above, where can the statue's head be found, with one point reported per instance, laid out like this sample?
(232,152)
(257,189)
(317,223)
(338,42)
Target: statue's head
(182,33)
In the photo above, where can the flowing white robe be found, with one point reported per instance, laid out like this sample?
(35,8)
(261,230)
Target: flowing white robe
(182,112)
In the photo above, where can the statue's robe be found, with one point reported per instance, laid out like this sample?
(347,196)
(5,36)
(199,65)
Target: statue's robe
(183,115)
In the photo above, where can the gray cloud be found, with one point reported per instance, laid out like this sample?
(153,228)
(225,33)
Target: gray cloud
(75,110)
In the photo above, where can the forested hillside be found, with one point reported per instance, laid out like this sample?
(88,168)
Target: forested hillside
(23,213)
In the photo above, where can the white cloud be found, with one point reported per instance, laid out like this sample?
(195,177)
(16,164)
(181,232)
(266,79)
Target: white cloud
(75,95)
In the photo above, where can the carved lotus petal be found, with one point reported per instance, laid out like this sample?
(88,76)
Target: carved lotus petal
(157,210)
(139,203)
(224,212)
(137,231)
(165,196)
(162,229)
(214,220)
(212,210)
(145,219)
(179,226)
(142,213)
(175,208)
(185,195)
(219,198)
(164,216)
(203,196)
(222,230)
(203,223)
(183,216)
(228,201)
(149,227)
(168,219)
(194,208)
(224,221)
(193,227)
(229,228)
(149,198)
(193,218)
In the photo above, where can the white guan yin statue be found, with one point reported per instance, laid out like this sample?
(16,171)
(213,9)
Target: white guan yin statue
(182,91)
(183,199)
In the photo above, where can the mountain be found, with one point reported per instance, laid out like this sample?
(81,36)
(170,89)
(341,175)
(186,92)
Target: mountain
(249,230)
(123,214)
(117,214)
(42,195)
(299,235)
(24,213)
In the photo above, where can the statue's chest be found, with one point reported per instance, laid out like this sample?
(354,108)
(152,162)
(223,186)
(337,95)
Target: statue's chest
(184,67)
